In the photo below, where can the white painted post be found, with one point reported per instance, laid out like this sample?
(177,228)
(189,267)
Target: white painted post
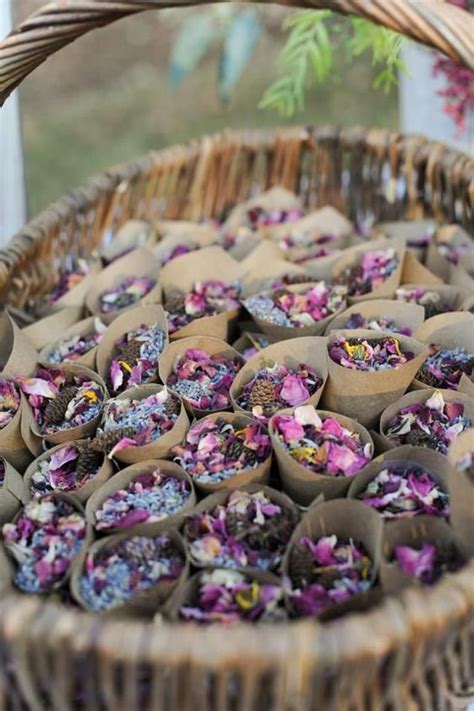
(421,109)
(12,176)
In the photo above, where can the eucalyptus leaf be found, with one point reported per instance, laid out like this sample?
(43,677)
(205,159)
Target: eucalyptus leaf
(193,41)
(239,43)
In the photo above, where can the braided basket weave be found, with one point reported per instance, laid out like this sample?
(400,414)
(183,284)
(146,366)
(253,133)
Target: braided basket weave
(412,652)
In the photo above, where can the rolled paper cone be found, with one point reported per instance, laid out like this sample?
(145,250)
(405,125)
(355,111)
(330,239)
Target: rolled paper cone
(381,444)
(262,277)
(159,448)
(139,263)
(82,493)
(277,198)
(245,245)
(352,256)
(320,268)
(77,295)
(198,240)
(128,321)
(325,222)
(462,274)
(220,498)
(404,315)
(51,328)
(448,331)
(131,235)
(304,485)
(145,602)
(257,475)
(206,233)
(310,351)
(468,304)
(186,593)
(364,395)
(76,504)
(466,386)
(410,232)
(414,532)
(17,355)
(345,519)
(177,349)
(283,333)
(447,234)
(461,492)
(6,571)
(32,433)
(221,326)
(12,444)
(413,272)
(83,328)
(421,396)
(206,264)
(125,477)
(264,254)
(12,493)
(452,296)
(433,462)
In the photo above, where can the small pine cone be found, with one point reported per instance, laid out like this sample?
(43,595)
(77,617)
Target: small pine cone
(130,351)
(250,457)
(175,304)
(235,523)
(235,449)
(301,565)
(418,438)
(172,406)
(428,378)
(107,440)
(262,393)
(139,550)
(89,461)
(56,408)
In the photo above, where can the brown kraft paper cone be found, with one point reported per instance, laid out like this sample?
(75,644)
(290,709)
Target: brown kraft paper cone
(276,198)
(143,603)
(414,532)
(131,235)
(177,349)
(139,263)
(12,493)
(404,315)
(461,491)
(83,328)
(77,295)
(304,485)
(17,355)
(451,296)
(320,268)
(12,445)
(420,396)
(262,277)
(433,462)
(128,321)
(186,593)
(220,498)
(410,232)
(325,222)
(345,519)
(448,331)
(446,234)
(258,475)
(164,248)
(206,264)
(6,571)
(283,333)
(461,274)
(82,493)
(160,448)
(364,395)
(32,433)
(125,477)
(86,542)
(51,328)
(310,351)
(468,304)
(414,272)
(352,256)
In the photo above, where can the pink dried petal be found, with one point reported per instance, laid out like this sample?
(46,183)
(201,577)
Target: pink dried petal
(293,390)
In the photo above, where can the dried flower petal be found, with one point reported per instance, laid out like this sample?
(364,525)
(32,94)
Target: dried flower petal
(373,269)
(369,354)
(135,358)
(376,324)
(9,401)
(68,350)
(206,298)
(126,293)
(444,367)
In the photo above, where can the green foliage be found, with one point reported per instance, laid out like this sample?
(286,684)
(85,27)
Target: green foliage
(307,57)
(239,43)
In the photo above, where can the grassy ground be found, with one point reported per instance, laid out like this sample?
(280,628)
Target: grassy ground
(107,99)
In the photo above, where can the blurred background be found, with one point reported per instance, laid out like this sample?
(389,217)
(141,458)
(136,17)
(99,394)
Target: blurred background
(113,95)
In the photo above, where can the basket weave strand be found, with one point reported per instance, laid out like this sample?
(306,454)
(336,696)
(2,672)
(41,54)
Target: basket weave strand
(436,24)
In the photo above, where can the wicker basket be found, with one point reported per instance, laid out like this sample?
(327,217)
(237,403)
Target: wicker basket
(413,652)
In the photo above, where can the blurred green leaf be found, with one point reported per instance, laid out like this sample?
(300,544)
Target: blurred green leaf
(239,43)
(192,43)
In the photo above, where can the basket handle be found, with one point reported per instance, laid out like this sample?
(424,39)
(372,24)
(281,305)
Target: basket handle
(431,22)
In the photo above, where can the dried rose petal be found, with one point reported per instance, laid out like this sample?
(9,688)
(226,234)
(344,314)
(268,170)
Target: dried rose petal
(368,354)
(206,298)
(9,401)
(373,269)
(444,367)
(126,293)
